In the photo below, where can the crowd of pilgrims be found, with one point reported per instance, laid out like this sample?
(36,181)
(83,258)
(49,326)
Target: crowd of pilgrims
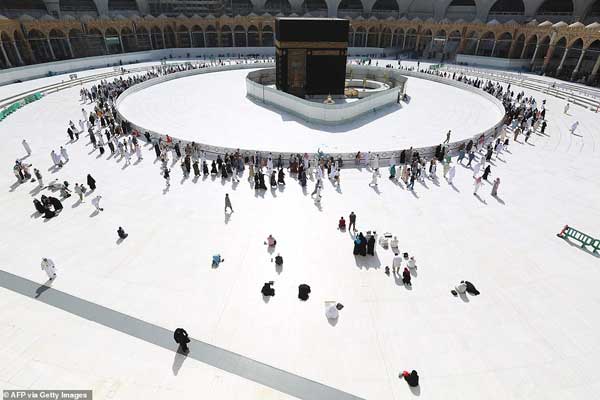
(522,115)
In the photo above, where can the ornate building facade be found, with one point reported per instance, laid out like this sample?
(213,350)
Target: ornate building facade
(570,51)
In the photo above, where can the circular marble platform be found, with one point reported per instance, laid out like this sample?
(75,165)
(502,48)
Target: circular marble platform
(213,109)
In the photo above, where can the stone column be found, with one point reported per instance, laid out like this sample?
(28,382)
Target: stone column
(105,45)
(121,43)
(595,69)
(50,47)
(190,36)
(548,57)
(477,46)
(523,51)
(8,63)
(204,36)
(70,48)
(18,53)
(578,64)
(562,61)
(404,41)
(493,48)
(164,43)
(537,47)
(150,38)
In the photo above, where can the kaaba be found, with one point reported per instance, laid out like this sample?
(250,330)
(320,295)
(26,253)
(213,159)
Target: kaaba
(311,55)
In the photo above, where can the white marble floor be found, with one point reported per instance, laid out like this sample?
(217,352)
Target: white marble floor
(531,334)
(185,107)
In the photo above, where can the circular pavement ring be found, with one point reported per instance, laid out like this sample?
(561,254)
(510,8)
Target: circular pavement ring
(348,157)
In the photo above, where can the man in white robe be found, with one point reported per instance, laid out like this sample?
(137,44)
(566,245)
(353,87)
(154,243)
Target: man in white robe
(49,267)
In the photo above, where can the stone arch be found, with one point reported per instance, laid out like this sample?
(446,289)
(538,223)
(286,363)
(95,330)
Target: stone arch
(556,55)
(360,37)
(11,54)
(211,36)
(588,63)
(157,38)
(267,36)
(398,38)
(315,5)
(453,43)
(350,7)
(183,36)
(253,38)
(555,7)
(144,40)
(502,46)
(455,9)
(34,8)
(372,37)
(438,41)
(113,41)
(386,7)
(486,44)
(170,42)
(39,45)
(239,36)
(122,5)
(78,6)
(529,49)
(470,43)
(226,36)
(592,13)
(573,53)
(128,39)
(197,36)
(386,38)
(542,49)
(78,43)
(425,42)
(508,7)
(59,43)
(23,47)
(518,46)
(240,7)
(410,40)
(277,6)
(95,43)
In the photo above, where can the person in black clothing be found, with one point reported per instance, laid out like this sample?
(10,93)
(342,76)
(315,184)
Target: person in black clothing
(55,203)
(352,219)
(362,245)
(121,233)
(371,246)
(267,289)
(411,378)
(91,182)
(156,149)
(303,292)
(486,172)
(39,207)
(281,177)
(182,339)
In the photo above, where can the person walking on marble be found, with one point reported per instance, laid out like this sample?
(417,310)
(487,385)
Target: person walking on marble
(352,219)
(574,127)
(477,185)
(64,154)
(49,268)
(447,137)
(228,203)
(96,203)
(495,187)
(26,147)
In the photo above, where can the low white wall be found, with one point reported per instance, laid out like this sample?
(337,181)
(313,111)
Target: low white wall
(329,114)
(386,157)
(80,64)
(495,62)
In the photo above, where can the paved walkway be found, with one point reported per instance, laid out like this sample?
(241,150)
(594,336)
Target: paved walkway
(228,361)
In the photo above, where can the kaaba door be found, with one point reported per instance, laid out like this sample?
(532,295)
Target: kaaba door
(296,70)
